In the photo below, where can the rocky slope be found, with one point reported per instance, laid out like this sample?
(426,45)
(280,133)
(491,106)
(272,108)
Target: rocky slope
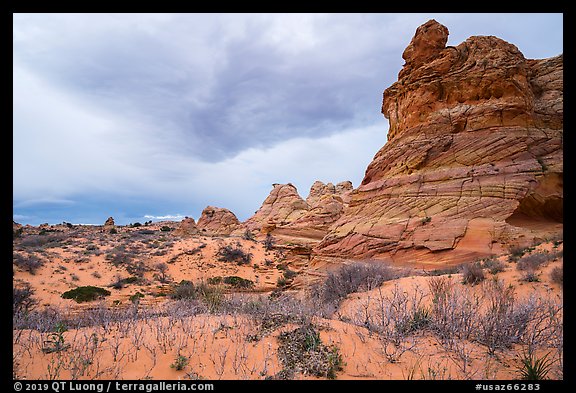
(473,159)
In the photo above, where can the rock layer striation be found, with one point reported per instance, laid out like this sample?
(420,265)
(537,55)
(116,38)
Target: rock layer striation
(473,159)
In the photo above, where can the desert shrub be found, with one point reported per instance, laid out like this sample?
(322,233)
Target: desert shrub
(136,297)
(85,294)
(472,273)
(28,262)
(354,277)
(42,241)
(269,242)
(533,261)
(135,225)
(493,265)
(211,296)
(118,256)
(234,254)
(516,252)
(238,282)
(162,275)
(184,290)
(56,341)
(113,231)
(146,232)
(180,363)
(557,275)
(23,299)
(503,321)
(165,228)
(281,282)
(120,282)
(301,350)
(248,235)
(289,274)
(530,276)
(453,310)
(445,270)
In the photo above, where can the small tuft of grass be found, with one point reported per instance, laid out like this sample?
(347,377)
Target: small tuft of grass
(534,368)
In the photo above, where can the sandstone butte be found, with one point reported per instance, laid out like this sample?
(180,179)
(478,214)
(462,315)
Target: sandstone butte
(217,221)
(187,227)
(473,161)
(284,213)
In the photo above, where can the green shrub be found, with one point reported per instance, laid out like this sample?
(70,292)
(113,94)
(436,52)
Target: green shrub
(238,282)
(85,294)
(165,228)
(136,297)
(180,363)
(535,369)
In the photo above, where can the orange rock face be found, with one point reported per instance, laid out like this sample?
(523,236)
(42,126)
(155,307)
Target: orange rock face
(187,227)
(473,159)
(282,206)
(217,221)
(284,212)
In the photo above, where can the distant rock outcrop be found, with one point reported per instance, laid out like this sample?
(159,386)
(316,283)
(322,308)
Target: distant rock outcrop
(474,157)
(187,227)
(217,221)
(109,224)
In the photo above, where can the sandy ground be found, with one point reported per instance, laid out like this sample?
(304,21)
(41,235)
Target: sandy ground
(224,346)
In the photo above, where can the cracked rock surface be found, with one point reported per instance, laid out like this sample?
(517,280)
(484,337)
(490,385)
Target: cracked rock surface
(474,158)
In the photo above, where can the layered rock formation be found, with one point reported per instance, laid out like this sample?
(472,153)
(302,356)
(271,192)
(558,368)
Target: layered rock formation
(285,213)
(217,221)
(473,158)
(282,206)
(187,227)
(109,224)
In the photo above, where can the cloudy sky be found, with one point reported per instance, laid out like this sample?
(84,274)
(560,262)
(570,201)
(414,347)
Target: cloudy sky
(155,116)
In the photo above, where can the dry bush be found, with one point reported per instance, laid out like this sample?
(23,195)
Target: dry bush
(397,318)
(23,299)
(302,351)
(29,262)
(557,275)
(353,277)
(453,310)
(234,254)
(42,241)
(493,265)
(472,273)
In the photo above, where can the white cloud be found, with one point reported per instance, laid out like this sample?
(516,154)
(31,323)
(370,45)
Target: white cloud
(194,110)
(170,217)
